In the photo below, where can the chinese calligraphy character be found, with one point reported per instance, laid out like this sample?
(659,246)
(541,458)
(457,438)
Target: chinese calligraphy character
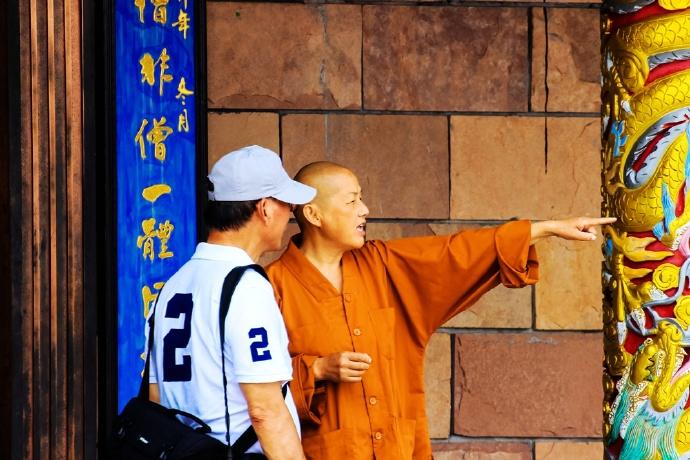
(182,23)
(157,136)
(139,139)
(163,233)
(148,296)
(153,192)
(148,67)
(145,241)
(160,11)
(182,91)
(140,4)
(183,122)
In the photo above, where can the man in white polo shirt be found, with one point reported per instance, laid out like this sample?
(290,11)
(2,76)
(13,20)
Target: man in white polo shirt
(249,203)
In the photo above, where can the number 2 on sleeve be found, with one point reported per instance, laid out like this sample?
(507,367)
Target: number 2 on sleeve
(259,347)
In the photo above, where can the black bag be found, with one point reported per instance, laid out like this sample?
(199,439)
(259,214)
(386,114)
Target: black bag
(146,430)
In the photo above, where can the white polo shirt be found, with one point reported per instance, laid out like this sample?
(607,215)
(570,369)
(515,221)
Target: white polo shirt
(186,358)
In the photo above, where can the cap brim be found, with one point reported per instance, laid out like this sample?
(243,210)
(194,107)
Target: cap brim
(296,193)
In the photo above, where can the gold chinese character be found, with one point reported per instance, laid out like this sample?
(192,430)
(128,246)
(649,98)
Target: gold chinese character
(157,136)
(145,241)
(139,139)
(163,233)
(160,11)
(148,67)
(182,91)
(183,122)
(140,4)
(182,23)
(148,296)
(163,77)
(153,192)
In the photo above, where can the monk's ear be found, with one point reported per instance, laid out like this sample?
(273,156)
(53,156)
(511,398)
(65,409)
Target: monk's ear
(311,214)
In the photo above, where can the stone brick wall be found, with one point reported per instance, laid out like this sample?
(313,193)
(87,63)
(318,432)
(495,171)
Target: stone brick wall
(452,116)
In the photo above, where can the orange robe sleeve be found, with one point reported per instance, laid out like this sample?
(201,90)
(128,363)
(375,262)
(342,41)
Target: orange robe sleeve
(435,278)
(304,388)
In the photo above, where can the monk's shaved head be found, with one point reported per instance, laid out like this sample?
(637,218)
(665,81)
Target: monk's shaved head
(323,176)
(319,175)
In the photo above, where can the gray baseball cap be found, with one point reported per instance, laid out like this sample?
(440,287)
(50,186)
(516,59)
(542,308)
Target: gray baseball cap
(252,173)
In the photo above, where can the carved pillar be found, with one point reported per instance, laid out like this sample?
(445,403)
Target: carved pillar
(646,273)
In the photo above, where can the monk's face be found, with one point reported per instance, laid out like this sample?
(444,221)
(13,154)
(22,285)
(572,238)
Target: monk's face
(343,211)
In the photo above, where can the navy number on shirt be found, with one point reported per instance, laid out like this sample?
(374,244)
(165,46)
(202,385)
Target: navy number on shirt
(178,338)
(259,347)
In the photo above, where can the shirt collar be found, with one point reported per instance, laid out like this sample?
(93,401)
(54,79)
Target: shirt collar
(306,273)
(209,251)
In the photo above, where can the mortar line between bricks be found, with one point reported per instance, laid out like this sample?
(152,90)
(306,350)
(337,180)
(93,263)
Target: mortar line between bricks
(456,438)
(530,44)
(450,167)
(283,111)
(361,59)
(450,4)
(280,136)
(534,307)
(451,428)
(512,330)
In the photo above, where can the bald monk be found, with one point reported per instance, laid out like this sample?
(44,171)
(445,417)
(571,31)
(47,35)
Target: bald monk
(359,313)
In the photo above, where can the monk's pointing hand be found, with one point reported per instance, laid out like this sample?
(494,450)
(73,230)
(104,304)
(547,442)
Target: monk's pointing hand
(577,228)
(346,366)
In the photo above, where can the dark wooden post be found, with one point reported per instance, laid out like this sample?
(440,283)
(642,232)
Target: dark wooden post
(51,330)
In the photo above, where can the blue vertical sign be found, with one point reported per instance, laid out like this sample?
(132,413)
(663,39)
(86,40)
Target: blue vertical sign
(156,186)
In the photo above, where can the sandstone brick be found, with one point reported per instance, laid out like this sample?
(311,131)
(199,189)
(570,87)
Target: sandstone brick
(499,168)
(568,295)
(496,167)
(387,152)
(499,308)
(394,230)
(560,450)
(268,55)
(573,185)
(437,372)
(445,58)
(536,384)
(230,131)
(572,65)
(482,450)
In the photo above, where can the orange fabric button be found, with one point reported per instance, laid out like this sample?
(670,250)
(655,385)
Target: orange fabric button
(378,435)
(373,400)
(347,297)
(357,331)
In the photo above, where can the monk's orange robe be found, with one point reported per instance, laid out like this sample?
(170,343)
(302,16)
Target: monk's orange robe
(395,295)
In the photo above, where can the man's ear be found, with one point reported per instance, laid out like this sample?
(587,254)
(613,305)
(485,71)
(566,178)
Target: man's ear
(312,214)
(264,211)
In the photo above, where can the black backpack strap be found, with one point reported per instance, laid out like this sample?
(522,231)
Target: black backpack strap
(248,438)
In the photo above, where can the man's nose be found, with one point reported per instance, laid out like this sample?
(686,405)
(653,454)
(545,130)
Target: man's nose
(364,211)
